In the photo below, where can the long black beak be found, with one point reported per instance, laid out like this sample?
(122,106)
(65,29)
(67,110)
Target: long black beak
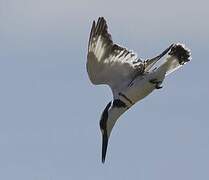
(150,62)
(104,146)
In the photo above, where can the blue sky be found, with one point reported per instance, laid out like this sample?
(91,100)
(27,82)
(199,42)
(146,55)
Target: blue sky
(49,120)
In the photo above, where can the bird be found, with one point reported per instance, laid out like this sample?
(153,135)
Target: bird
(129,77)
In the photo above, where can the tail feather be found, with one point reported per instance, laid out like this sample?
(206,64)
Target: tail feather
(182,53)
(178,56)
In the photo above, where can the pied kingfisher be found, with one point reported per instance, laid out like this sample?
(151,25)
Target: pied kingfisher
(129,78)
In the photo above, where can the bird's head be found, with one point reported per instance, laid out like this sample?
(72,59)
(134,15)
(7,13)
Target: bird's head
(109,116)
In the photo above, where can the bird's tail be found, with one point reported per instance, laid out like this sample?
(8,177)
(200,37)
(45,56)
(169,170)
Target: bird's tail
(177,57)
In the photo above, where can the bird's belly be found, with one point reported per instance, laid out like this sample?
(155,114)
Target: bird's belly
(141,86)
(139,90)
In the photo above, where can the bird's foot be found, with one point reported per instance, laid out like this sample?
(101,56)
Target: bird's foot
(156,83)
(158,87)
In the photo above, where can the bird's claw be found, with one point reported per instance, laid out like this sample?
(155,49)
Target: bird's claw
(158,87)
(156,83)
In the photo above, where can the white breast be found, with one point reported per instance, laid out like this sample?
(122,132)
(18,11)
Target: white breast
(141,87)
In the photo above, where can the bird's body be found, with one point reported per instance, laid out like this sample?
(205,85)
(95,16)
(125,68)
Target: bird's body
(141,86)
(130,78)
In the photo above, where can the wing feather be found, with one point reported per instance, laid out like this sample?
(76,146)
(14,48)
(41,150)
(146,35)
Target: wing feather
(109,63)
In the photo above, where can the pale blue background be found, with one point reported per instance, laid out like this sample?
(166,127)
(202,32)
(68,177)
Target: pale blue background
(49,110)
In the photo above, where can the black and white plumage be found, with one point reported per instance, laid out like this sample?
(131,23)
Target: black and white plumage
(130,78)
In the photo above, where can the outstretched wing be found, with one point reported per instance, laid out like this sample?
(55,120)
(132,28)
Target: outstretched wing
(109,63)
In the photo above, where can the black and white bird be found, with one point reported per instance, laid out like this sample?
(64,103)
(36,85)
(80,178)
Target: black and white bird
(129,78)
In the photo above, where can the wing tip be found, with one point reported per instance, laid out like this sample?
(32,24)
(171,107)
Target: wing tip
(91,33)
(101,26)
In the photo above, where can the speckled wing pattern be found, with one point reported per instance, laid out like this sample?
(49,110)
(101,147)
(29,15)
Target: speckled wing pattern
(109,63)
